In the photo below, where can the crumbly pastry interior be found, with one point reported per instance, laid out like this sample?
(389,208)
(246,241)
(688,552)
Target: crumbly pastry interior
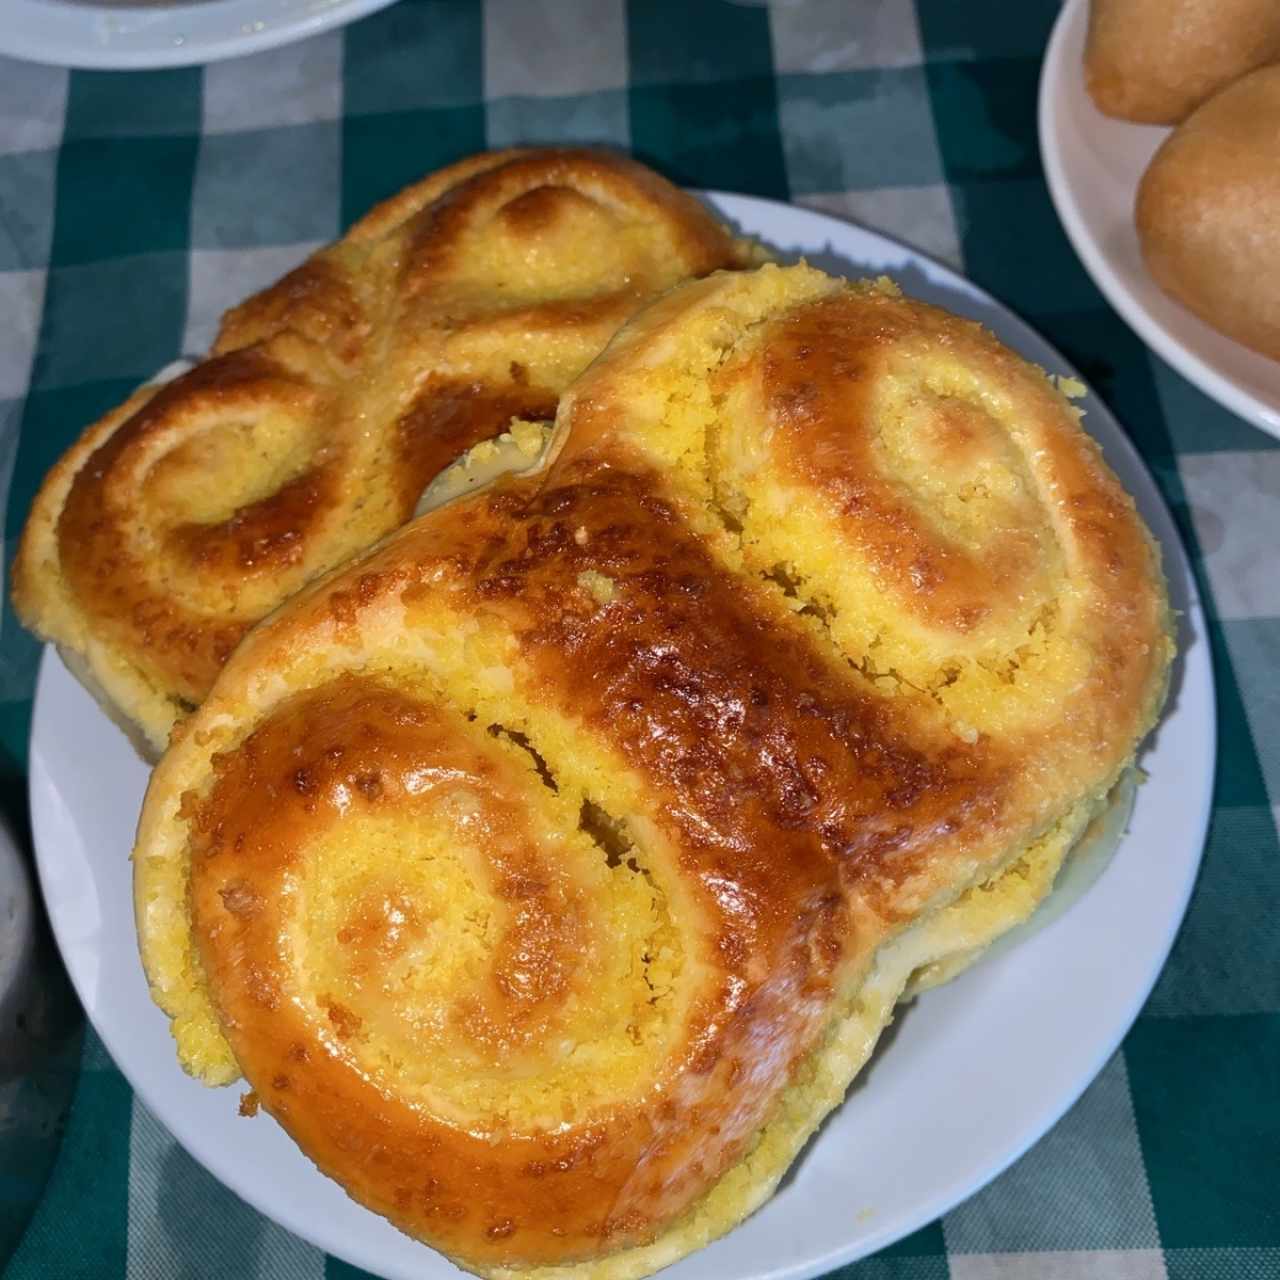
(330,401)
(551,870)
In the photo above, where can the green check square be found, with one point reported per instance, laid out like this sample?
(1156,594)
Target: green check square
(26,208)
(79,1232)
(21,662)
(418,53)
(1208,1111)
(712,135)
(1229,1263)
(120,196)
(106,104)
(1227,956)
(985,114)
(122,318)
(952,30)
(383,153)
(697,41)
(928,1242)
(1014,246)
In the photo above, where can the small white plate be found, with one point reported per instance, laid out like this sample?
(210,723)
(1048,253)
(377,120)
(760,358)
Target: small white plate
(123,36)
(1030,1026)
(1093,164)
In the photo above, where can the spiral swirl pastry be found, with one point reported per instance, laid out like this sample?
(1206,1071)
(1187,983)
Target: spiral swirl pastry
(331,400)
(550,871)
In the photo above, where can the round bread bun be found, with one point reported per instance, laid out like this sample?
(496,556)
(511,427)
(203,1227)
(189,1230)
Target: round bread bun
(550,871)
(1208,212)
(1156,61)
(331,400)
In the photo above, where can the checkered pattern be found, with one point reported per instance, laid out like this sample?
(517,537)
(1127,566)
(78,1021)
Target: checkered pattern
(135,208)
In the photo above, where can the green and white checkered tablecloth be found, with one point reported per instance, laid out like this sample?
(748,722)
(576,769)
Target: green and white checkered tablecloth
(134,208)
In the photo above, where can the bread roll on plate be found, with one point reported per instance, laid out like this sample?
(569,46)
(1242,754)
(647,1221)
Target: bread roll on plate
(550,871)
(330,401)
(1208,212)
(1155,61)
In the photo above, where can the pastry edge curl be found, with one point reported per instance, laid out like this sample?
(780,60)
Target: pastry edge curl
(843,1052)
(946,932)
(48,607)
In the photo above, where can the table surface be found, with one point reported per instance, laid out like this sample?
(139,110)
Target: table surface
(134,208)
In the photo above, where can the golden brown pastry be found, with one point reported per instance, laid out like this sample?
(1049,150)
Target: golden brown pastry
(328,403)
(1155,61)
(550,871)
(1208,212)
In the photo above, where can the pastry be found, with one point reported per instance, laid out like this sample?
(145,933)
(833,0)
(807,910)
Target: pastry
(329,402)
(1155,61)
(1208,212)
(551,870)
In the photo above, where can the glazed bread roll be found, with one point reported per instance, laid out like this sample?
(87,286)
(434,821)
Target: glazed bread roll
(1155,61)
(550,872)
(1208,212)
(330,401)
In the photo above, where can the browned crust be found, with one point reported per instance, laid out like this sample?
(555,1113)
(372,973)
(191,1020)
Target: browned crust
(806,814)
(379,360)
(797,800)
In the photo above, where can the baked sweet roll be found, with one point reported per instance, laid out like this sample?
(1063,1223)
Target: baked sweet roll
(549,872)
(329,402)
(1207,211)
(1156,61)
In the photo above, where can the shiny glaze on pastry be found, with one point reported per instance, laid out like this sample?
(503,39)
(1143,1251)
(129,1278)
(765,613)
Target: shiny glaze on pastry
(549,872)
(332,399)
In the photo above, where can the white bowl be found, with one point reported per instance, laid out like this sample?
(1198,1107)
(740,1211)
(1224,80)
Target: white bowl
(113,36)
(1093,164)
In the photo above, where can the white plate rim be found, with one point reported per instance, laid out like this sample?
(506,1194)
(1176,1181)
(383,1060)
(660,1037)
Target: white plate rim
(48,822)
(1061,63)
(128,37)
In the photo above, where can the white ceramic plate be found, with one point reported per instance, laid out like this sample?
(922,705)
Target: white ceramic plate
(124,36)
(1030,1026)
(1093,165)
